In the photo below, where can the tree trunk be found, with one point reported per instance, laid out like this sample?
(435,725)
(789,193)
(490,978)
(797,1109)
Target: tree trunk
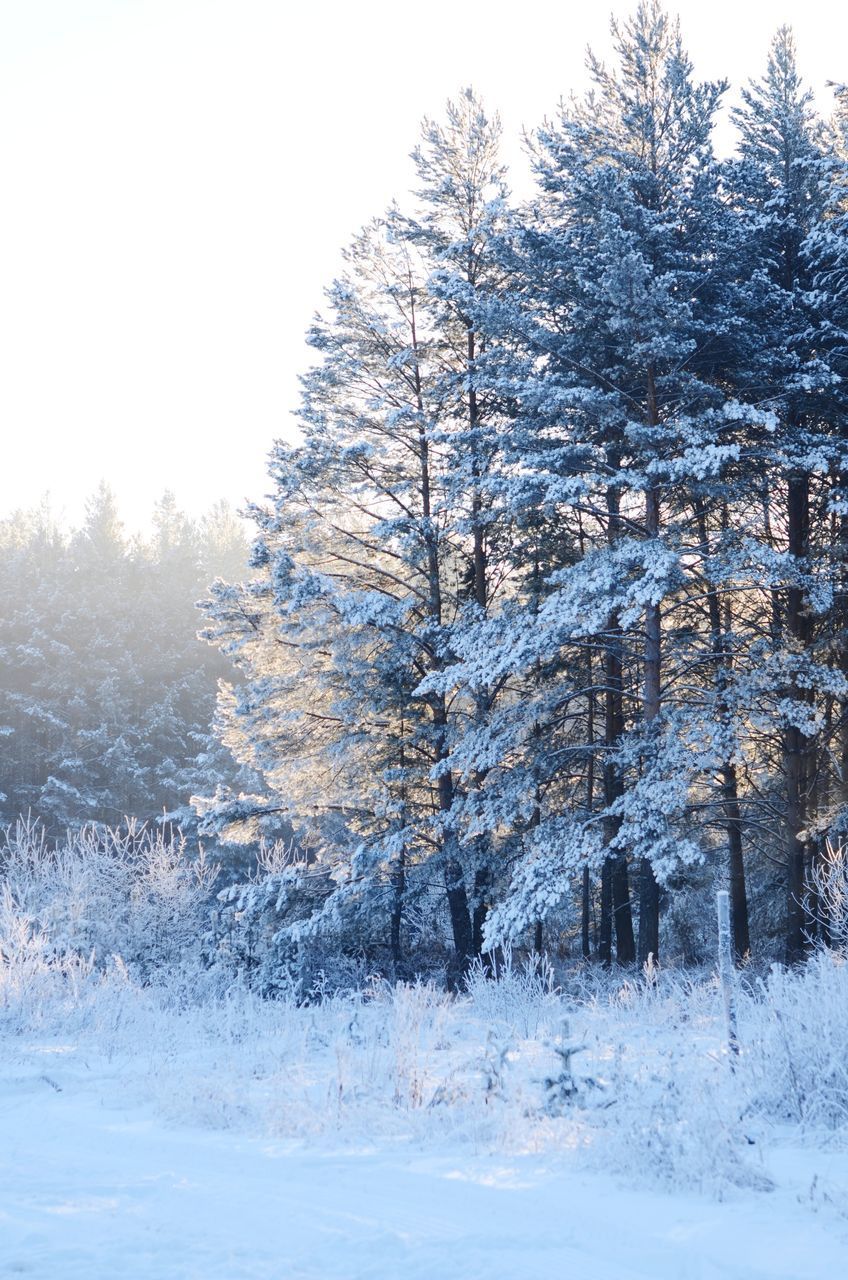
(460,914)
(398,890)
(797,747)
(719,631)
(615,888)
(585,899)
(590,803)
(625,942)
(482,884)
(738,888)
(457,896)
(605,930)
(483,844)
(649,893)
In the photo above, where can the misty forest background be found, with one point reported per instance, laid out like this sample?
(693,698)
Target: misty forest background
(543,633)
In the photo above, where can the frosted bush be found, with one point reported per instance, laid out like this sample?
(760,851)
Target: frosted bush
(673,1118)
(102,892)
(794,1030)
(675,1110)
(75,889)
(36,985)
(418,1015)
(827,895)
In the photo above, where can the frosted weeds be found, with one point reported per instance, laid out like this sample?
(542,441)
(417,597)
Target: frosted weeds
(524,998)
(648,1090)
(100,950)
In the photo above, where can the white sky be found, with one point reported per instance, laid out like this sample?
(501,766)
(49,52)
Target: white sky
(178,176)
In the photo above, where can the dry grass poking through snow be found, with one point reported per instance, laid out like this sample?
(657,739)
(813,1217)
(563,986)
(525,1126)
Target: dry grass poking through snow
(629,1075)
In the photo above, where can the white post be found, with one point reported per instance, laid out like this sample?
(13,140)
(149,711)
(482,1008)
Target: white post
(725,968)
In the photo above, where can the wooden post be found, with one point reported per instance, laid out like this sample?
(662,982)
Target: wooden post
(725,969)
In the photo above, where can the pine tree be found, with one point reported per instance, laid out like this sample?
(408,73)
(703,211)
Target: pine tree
(375,549)
(620,315)
(779,186)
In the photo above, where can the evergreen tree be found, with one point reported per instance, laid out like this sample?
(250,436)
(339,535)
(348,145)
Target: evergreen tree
(621,316)
(780,185)
(376,547)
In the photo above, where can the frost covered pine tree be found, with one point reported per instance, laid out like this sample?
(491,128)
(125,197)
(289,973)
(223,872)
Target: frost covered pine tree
(375,549)
(782,185)
(462,208)
(619,306)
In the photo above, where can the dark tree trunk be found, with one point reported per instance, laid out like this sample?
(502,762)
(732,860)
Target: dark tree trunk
(605,930)
(585,901)
(649,913)
(460,914)
(482,884)
(398,890)
(817,923)
(797,747)
(463,943)
(719,632)
(457,896)
(483,844)
(649,893)
(840,783)
(616,909)
(738,888)
(625,942)
(585,894)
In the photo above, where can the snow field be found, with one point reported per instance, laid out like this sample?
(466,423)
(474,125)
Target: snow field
(164,1131)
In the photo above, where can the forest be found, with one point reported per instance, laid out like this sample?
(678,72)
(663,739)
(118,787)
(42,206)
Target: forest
(107,698)
(546,631)
(543,635)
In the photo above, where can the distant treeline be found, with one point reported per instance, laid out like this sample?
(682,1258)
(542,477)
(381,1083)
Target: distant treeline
(107,696)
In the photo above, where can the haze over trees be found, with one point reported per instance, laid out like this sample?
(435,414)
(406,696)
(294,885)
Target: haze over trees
(107,696)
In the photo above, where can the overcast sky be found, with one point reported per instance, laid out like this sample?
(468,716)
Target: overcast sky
(179,175)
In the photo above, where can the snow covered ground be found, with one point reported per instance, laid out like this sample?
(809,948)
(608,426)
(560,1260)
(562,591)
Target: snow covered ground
(401,1136)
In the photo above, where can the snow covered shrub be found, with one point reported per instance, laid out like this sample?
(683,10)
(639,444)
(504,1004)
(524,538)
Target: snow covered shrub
(664,1106)
(129,891)
(24,957)
(688,924)
(290,928)
(257,935)
(827,896)
(75,889)
(673,1118)
(32,977)
(794,1034)
(169,905)
(566,1086)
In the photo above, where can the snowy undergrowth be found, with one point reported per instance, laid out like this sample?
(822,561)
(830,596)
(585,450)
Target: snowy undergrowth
(632,1077)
